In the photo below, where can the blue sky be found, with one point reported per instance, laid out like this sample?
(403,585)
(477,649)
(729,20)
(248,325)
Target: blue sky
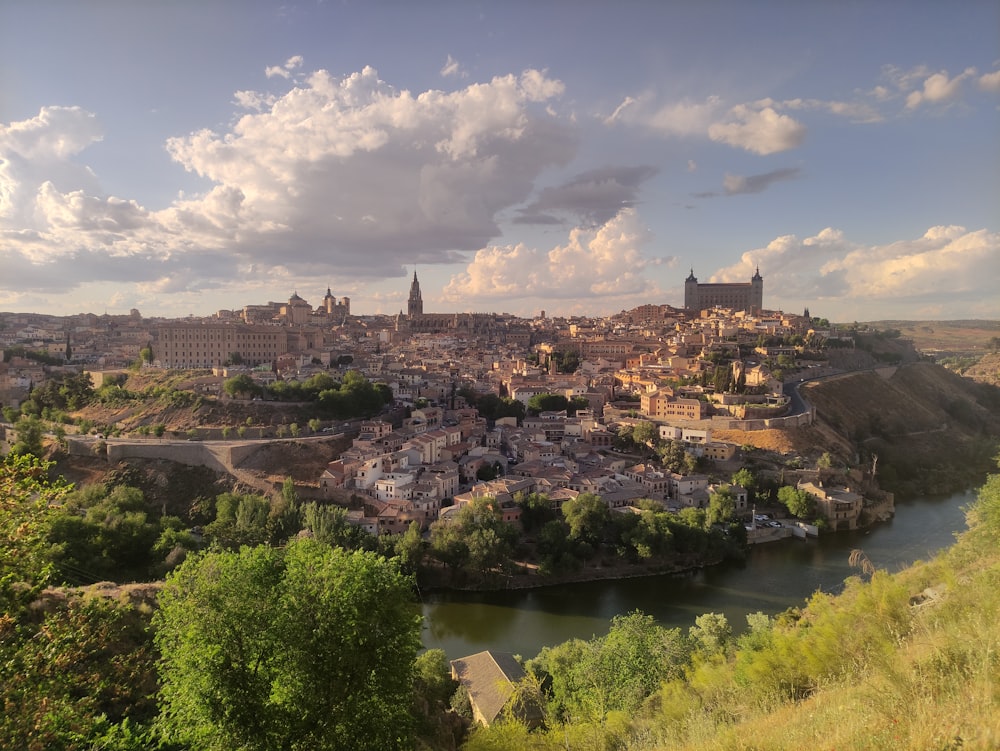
(573,157)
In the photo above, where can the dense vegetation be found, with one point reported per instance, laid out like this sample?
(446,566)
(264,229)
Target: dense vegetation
(49,405)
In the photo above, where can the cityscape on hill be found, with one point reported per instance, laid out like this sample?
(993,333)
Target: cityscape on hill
(499,376)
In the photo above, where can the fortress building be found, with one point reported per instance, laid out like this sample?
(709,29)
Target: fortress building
(748,296)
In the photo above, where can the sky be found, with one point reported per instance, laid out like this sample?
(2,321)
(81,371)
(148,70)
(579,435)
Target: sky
(577,157)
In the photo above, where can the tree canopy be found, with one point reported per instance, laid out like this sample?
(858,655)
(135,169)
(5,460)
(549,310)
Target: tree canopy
(798,502)
(307,647)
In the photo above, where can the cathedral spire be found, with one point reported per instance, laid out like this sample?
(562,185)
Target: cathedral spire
(415,303)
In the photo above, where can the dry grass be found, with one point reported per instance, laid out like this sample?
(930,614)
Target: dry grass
(945,336)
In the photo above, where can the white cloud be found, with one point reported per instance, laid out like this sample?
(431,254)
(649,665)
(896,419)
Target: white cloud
(601,264)
(946,264)
(858,112)
(339,177)
(40,151)
(252,100)
(677,119)
(762,131)
(284,71)
(990,81)
(904,80)
(452,68)
(55,133)
(938,88)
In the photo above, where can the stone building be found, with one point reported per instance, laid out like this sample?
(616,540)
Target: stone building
(206,345)
(748,296)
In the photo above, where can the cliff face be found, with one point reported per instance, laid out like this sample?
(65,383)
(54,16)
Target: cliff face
(932,430)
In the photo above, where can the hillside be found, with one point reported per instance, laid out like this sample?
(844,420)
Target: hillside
(923,674)
(931,429)
(985,370)
(945,337)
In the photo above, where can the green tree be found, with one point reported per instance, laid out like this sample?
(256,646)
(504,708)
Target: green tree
(612,673)
(744,478)
(75,675)
(410,548)
(306,647)
(711,632)
(30,431)
(536,510)
(646,433)
(27,503)
(240,385)
(239,520)
(674,455)
(587,516)
(721,506)
(799,502)
(476,538)
(547,403)
(329,525)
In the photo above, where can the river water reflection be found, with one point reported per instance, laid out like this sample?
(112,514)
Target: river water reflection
(776,576)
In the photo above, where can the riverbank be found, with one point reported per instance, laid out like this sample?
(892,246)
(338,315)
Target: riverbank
(601,572)
(774,577)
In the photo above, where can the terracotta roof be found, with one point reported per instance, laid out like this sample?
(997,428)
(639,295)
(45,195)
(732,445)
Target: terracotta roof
(489,678)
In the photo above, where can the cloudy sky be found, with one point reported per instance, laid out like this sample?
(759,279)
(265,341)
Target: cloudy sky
(573,157)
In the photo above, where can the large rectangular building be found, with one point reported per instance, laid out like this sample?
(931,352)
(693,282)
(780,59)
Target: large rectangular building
(747,296)
(206,345)
(661,405)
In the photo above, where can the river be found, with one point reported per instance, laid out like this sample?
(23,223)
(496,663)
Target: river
(775,577)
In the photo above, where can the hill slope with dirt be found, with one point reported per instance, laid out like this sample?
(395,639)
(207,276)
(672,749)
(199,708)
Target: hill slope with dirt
(932,430)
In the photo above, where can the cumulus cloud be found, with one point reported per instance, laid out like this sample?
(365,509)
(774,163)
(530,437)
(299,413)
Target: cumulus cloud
(946,263)
(757,127)
(606,263)
(938,88)
(284,71)
(761,131)
(593,197)
(343,177)
(990,81)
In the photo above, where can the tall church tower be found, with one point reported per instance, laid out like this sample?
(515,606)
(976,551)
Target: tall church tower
(415,305)
(757,292)
(691,301)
